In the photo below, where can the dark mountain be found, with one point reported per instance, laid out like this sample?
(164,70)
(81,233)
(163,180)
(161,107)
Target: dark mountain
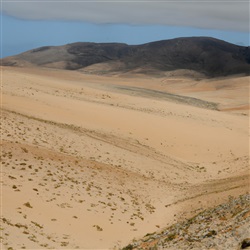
(205,55)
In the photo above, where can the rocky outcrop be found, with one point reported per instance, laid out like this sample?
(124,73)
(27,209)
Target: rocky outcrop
(225,227)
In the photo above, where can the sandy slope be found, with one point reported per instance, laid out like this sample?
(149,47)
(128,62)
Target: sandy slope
(94,161)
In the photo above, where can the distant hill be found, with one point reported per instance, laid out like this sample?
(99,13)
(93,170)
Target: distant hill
(205,55)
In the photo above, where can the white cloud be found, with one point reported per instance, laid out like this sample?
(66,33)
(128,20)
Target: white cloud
(223,15)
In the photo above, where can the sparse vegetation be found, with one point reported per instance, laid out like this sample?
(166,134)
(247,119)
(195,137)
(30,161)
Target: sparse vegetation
(27,204)
(116,175)
(98,228)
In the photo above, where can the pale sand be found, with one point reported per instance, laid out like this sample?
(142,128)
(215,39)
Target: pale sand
(92,151)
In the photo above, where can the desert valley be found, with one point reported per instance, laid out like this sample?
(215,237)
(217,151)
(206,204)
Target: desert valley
(95,161)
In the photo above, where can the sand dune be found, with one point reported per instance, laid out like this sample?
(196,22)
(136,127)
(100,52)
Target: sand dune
(93,161)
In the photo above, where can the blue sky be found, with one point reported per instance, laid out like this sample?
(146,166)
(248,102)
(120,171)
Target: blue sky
(25,27)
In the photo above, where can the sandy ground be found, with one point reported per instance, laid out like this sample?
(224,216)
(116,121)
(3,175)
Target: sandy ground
(92,162)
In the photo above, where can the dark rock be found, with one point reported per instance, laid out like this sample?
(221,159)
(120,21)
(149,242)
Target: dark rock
(245,243)
(210,234)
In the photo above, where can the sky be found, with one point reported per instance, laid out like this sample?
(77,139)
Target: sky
(28,24)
